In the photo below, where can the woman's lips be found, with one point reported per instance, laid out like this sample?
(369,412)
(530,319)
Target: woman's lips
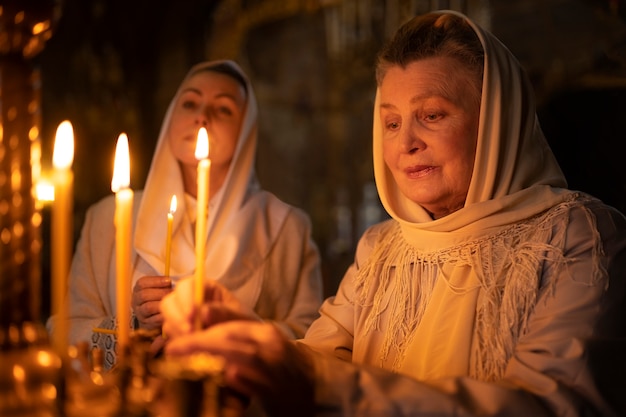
(418,171)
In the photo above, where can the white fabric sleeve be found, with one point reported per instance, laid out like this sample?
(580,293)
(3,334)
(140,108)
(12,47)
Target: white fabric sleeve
(295,277)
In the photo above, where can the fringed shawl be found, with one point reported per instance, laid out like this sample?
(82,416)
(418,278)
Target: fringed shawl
(500,274)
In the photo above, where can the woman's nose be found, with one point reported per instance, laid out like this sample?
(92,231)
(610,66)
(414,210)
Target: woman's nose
(202,119)
(410,142)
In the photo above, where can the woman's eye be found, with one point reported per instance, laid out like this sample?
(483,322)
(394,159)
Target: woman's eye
(225,111)
(393,125)
(431,117)
(189,104)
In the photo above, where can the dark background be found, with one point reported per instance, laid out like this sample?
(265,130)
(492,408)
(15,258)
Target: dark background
(113,65)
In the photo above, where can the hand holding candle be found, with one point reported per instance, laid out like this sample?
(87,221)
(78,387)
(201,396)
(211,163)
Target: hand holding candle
(120,185)
(62,242)
(168,239)
(204,168)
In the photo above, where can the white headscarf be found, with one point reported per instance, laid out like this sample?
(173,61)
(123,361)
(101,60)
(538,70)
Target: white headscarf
(515,172)
(165,179)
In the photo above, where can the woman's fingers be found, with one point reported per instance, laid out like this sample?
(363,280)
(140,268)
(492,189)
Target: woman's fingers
(213,313)
(149,294)
(219,305)
(147,281)
(241,353)
(148,311)
(259,361)
(146,296)
(150,288)
(176,315)
(157,345)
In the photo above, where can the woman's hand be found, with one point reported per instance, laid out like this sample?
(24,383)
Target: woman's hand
(259,361)
(219,305)
(146,297)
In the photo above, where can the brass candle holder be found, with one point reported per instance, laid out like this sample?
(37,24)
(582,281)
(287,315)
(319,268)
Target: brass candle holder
(31,380)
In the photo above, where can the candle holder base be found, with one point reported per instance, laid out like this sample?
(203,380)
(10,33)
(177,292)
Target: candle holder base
(31,377)
(36,381)
(143,386)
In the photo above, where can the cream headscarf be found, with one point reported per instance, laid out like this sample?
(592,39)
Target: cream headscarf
(165,179)
(514,169)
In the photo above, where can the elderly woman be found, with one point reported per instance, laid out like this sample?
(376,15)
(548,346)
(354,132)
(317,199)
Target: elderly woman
(257,246)
(493,290)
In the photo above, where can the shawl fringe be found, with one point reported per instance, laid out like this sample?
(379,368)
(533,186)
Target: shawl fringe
(509,266)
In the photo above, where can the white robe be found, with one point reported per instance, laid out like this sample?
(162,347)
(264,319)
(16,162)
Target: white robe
(280,279)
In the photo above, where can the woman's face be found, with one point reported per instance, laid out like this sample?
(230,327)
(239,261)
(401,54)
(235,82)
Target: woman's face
(429,114)
(215,101)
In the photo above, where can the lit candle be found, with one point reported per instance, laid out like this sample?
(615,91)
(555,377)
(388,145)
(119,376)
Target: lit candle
(120,185)
(45,191)
(204,168)
(62,241)
(168,239)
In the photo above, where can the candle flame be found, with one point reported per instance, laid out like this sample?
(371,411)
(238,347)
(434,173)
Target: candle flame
(63,154)
(202,144)
(173,204)
(121,167)
(45,191)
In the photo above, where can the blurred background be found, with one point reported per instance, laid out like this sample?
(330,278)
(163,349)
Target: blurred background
(112,66)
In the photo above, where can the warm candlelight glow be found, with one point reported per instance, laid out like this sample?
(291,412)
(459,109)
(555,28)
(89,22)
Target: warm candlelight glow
(61,229)
(204,167)
(45,191)
(121,168)
(120,184)
(168,240)
(173,204)
(202,144)
(63,154)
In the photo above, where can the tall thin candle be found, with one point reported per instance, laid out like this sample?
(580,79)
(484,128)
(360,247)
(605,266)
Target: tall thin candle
(62,241)
(204,171)
(120,185)
(168,238)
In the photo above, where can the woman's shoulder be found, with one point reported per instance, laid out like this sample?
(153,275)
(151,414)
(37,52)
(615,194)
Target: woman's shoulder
(380,230)
(376,233)
(103,207)
(598,206)
(598,217)
(582,207)
(275,207)
(582,223)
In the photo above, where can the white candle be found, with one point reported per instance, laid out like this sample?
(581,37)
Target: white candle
(204,171)
(62,241)
(168,239)
(120,185)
